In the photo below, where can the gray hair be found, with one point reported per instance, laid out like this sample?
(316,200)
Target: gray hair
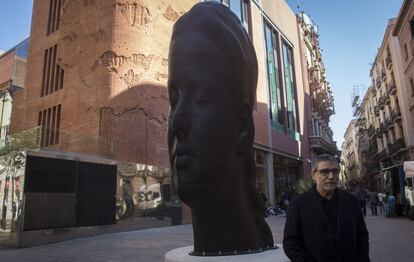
(321,158)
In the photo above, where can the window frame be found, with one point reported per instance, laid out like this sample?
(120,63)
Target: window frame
(274,81)
(293,128)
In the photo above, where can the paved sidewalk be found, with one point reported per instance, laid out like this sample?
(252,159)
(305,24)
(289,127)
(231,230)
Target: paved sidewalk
(391,240)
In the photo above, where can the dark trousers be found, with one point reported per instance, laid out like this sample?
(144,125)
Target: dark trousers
(363,204)
(374,209)
(381,207)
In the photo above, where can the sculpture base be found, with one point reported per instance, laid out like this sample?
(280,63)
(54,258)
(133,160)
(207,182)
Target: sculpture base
(182,255)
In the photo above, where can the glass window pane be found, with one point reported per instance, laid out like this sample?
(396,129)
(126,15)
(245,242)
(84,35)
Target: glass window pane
(290,88)
(235,6)
(275,92)
(245,15)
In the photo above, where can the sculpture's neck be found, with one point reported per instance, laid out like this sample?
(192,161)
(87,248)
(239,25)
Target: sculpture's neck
(230,225)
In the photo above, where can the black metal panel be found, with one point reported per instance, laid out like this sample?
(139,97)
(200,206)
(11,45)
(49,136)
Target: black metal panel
(50,175)
(96,191)
(44,211)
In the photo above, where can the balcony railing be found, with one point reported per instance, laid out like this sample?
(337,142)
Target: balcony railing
(381,101)
(395,114)
(371,130)
(382,128)
(396,146)
(388,61)
(373,150)
(383,76)
(382,154)
(391,87)
(387,123)
(318,142)
(378,82)
(387,100)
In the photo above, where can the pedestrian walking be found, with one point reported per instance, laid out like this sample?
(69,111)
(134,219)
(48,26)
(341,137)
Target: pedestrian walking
(362,198)
(325,223)
(380,201)
(385,202)
(373,202)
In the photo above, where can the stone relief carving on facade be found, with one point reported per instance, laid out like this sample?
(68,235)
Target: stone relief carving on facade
(171,14)
(110,60)
(142,60)
(70,37)
(161,77)
(135,14)
(149,66)
(131,79)
(99,35)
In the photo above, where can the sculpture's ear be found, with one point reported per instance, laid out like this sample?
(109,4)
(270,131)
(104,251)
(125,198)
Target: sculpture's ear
(246,134)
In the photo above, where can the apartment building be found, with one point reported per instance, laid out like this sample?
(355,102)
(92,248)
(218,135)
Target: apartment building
(12,73)
(404,32)
(349,153)
(321,98)
(382,118)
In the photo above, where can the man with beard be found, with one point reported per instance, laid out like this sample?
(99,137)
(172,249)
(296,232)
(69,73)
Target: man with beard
(325,223)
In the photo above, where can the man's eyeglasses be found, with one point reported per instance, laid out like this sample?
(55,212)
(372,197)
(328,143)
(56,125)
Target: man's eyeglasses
(327,171)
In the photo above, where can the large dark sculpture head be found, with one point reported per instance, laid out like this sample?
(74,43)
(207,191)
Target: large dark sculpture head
(212,89)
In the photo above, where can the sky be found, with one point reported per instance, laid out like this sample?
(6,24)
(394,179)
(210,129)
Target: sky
(350,33)
(15,20)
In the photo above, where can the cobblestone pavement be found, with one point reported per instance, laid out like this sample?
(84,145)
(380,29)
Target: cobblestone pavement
(391,240)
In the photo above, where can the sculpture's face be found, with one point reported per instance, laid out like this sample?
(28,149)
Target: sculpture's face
(204,123)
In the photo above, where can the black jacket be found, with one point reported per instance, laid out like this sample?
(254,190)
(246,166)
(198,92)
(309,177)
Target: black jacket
(310,236)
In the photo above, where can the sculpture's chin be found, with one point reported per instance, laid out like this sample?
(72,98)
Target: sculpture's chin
(191,194)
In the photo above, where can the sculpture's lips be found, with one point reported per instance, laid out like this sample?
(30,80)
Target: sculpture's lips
(182,158)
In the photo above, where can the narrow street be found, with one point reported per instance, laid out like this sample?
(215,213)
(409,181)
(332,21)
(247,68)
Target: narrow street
(391,240)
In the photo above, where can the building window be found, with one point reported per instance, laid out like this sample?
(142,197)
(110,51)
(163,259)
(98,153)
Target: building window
(53,74)
(55,8)
(392,135)
(240,8)
(49,120)
(273,78)
(401,131)
(290,86)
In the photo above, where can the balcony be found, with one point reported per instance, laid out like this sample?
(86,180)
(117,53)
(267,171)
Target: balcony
(319,144)
(382,154)
(383,76)
(391,87)
(373,150)
(387,100)
(378,82)
(371,130)
(395,148)
(381,101)
(382,127)
(388,61)
(395,114)
(387,123)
